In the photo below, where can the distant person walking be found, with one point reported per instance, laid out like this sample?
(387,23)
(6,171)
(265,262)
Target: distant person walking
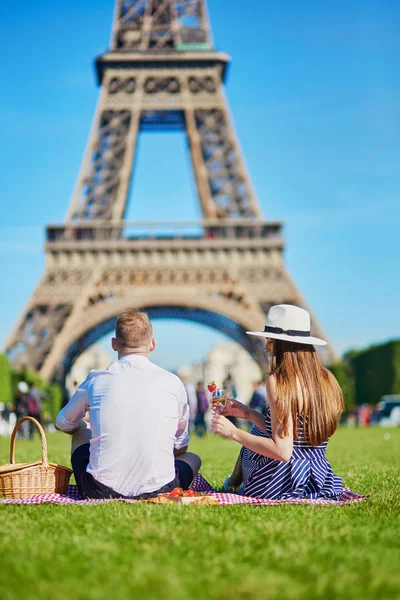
(258,400)
(21,408)
(34,407)
(200,426)
(364,415)
(230,388)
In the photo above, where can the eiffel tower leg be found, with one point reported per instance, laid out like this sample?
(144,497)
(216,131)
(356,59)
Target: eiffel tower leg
(54,308)
(207,204)
(102,187)
(223,184)
(33,337)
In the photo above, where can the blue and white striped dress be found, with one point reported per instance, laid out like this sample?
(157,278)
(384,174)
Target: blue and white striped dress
(307,474)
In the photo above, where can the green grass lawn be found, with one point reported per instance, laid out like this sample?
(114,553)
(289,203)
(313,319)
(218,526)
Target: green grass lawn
(139,551)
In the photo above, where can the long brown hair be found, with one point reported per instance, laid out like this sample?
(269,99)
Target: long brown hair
(295,365)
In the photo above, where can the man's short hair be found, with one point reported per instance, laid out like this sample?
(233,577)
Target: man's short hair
(133,329)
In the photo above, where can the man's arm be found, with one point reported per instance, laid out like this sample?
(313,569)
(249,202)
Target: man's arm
(70,418)
(179,451)
(182,433)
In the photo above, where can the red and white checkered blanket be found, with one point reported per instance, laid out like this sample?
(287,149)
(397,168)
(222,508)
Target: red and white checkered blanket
(199,485)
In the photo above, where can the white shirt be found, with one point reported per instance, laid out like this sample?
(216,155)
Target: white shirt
(192,400)
(138,414)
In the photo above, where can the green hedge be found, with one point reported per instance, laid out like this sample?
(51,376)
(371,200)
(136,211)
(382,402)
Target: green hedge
(366,375)
(343,373)
(54,399)
(376,371)
(6,391)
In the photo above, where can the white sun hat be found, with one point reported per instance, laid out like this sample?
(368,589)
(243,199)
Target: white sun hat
(290,324)
(23,387)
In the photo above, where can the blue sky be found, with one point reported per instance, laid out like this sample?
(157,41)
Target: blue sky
(314,89)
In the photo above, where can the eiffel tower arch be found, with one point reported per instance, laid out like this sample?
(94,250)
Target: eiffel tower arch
(161,72)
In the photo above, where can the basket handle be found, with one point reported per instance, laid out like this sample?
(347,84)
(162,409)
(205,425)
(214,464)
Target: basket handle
(42,439)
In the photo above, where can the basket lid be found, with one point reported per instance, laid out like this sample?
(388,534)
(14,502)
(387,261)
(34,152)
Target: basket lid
(18,466)
(10,468)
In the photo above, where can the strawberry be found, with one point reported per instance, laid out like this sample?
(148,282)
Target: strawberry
(176,492)
(212,386)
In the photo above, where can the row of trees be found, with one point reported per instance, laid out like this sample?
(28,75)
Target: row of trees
(366,375)
(9,379)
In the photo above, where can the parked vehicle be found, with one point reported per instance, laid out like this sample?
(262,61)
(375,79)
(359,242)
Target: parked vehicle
(389,410)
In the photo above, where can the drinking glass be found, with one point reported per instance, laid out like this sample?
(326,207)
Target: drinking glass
(218,399)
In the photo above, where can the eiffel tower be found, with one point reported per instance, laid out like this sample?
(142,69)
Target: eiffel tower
(161,72)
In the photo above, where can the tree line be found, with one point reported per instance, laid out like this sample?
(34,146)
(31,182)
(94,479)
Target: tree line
(9,379)
(366,375)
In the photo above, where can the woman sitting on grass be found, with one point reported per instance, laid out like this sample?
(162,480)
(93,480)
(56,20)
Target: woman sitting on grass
(284,454)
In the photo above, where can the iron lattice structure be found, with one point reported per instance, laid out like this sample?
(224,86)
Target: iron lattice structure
(161,72)
(142,25)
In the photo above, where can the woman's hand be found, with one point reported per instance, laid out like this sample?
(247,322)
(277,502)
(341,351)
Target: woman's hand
(222,426)
(233,408)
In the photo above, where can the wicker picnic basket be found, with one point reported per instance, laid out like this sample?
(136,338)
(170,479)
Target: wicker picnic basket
(27,479)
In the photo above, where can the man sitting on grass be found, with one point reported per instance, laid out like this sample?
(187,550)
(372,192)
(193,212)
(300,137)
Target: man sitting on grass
(135,444)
